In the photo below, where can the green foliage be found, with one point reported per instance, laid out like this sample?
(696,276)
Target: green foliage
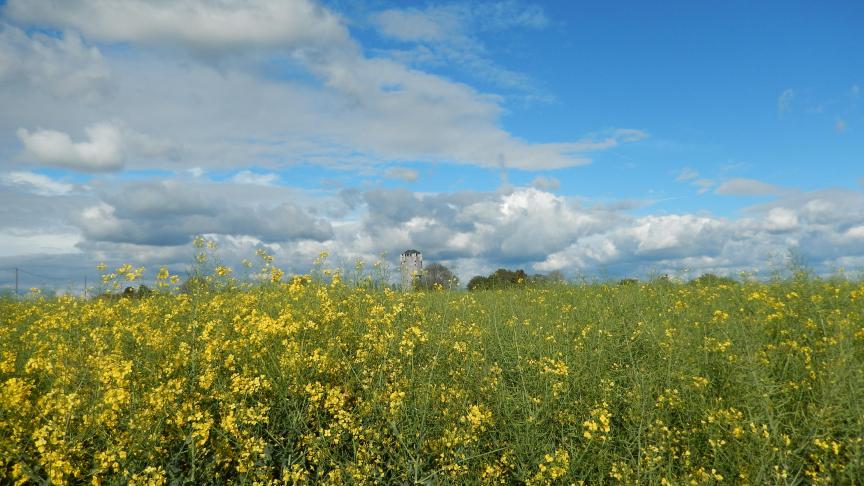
(499,279)
(709,280)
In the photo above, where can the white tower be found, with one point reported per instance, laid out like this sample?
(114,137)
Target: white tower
(411,266)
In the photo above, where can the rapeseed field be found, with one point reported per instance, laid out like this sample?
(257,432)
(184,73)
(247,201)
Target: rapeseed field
(312,380)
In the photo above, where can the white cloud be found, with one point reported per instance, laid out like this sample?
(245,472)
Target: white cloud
(107,147)
(654,233)
(856,232)
(17,244)
(472,232)
(692,177)
(352,111)
(447,35)
(748,187)
(38,183)
(781,219)
(169,212)
(253,178)
(59,66)
(197,25)
(103,151)
(544,183)
(416,25)
(358,111)
(402,173)
(454,23)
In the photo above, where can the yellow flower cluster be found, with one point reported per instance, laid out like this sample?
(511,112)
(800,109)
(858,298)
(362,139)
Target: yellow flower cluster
(320,379)
(597,426)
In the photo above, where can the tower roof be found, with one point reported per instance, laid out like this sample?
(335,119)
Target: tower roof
(410,252)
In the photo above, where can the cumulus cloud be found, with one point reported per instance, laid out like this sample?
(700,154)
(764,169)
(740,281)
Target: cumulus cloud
(35,217)
(345,108)
(37,183)
(106,148)
(165,213)
(356,110)
(472,232)
(61,66)
(749,187)
(526,227)
(781,219)
(198,25)
(101,152)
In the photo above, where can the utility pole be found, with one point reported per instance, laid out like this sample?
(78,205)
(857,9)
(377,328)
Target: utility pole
(16,282)
(85,287)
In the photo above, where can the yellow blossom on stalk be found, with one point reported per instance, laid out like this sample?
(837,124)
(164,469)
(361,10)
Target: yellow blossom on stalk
(552,467)
(264,256)
(478,417)
(597,426)
(395,402)
(321,258)
(324,381)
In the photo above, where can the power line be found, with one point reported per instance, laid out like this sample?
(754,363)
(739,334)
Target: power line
(45,276)
(19,272)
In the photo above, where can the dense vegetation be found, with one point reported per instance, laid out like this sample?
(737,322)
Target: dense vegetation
(314,380)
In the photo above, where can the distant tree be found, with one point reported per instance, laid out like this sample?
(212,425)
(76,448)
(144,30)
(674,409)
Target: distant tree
(133,293)
(550,278)
(500,278)
(503,277)
(628,281)
(710,280)
(478,283)
(436,274)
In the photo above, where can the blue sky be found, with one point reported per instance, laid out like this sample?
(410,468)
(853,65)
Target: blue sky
(624,135)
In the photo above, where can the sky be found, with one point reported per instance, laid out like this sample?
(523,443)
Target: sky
(592,138)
